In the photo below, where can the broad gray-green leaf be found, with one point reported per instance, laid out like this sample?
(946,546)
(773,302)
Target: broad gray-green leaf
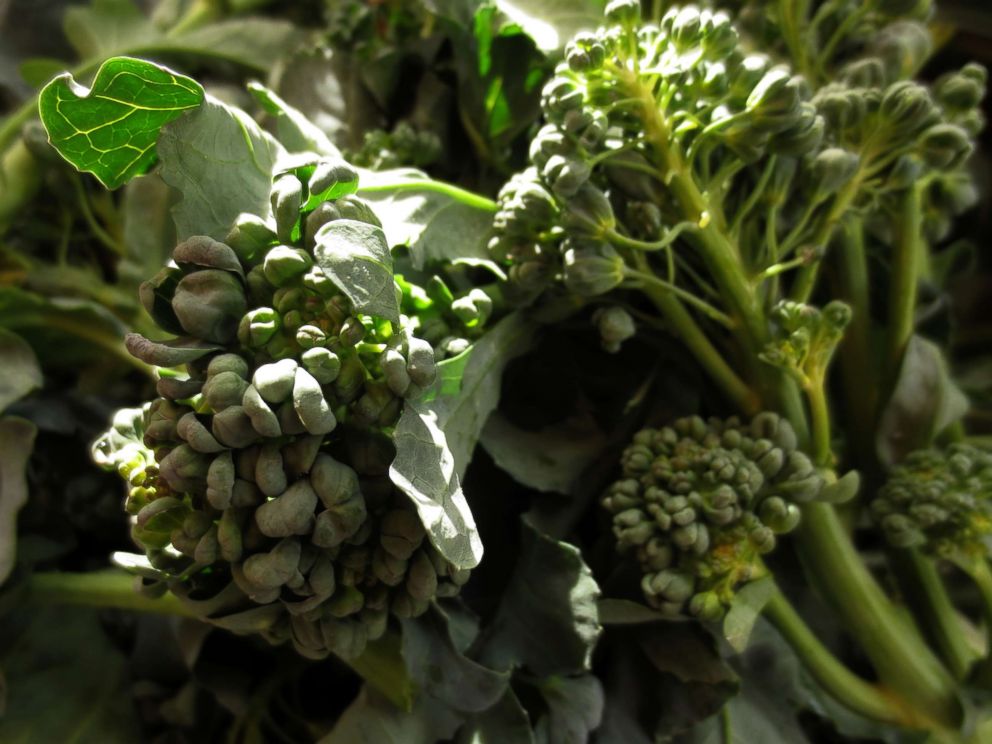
(925,401)
(371,719)
(293,130)
(64,332)
(221,162)
(424,470)
(438,221)
(16,442)
(443,672)
(547,620)
(463,416)
(106,26)
(745,610)
(110,129)
(552,459)
(21,372)
(356,257)
(506,721)
(551,23)
(626,612)
(256,43)
(66,681)
(575,708)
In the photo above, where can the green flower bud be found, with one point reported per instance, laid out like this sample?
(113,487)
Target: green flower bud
(945,146)
(310,405)
(291,513)
(185,469)
(401,533)
(832,169)
(421,365)
(592,269)
(615,326)
(589,213)
(233,428)
(907,108)
(332,179)
(269,474)
(249,236)
(963,90)
(283,264)
(286,199)
(274,382)
(220,481)
(209,304)
(263,418)
(623,12)
(275,568)
(706,606)
(196,435)
(224,390)
(323,364)
(565,175)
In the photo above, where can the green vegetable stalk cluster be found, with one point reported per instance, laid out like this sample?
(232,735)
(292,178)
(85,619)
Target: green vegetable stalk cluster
(259,484)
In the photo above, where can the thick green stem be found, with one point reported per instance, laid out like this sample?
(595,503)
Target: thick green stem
(926,594)
(900,656)
(720,253)
(109,589)
(859,374)
(820,421)
(839,681)
(902,286)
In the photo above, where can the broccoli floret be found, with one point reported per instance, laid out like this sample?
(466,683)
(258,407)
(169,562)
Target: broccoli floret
(700,502)
(941,502)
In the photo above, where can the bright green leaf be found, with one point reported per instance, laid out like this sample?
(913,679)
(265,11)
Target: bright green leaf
(551,23)
(110,130)
(356,257)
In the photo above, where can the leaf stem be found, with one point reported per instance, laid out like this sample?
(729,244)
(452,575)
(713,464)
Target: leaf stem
(108,588)
(902,659)
(902,286)
(467,198)
(832,675)
(928,597)
(704,307)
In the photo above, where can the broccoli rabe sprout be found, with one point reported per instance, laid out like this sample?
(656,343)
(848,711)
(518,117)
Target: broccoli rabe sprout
(941,502)
(259,484)
(700,502)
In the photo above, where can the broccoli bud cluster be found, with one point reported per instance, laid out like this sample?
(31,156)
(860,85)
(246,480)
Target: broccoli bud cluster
(259,480)
(939,501)
(700,502)
(403,146)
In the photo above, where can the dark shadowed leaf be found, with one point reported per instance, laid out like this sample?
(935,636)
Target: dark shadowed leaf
(221,162)
(575,708)
(506,721)
(371,719)
(444,673)
(66,682)
(424,470)
(547,620)
(925,401)
(551,459)
(110,129)
(16,442)
(462,416)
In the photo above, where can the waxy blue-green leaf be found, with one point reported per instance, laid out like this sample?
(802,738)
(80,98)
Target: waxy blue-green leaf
(221,162)
(356,257)
(110,129)
(424,470)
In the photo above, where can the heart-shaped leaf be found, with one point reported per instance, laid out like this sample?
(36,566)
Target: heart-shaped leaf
(110,129)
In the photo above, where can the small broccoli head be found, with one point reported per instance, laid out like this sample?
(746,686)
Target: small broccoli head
(941,502)
(258,481)
(701,502)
